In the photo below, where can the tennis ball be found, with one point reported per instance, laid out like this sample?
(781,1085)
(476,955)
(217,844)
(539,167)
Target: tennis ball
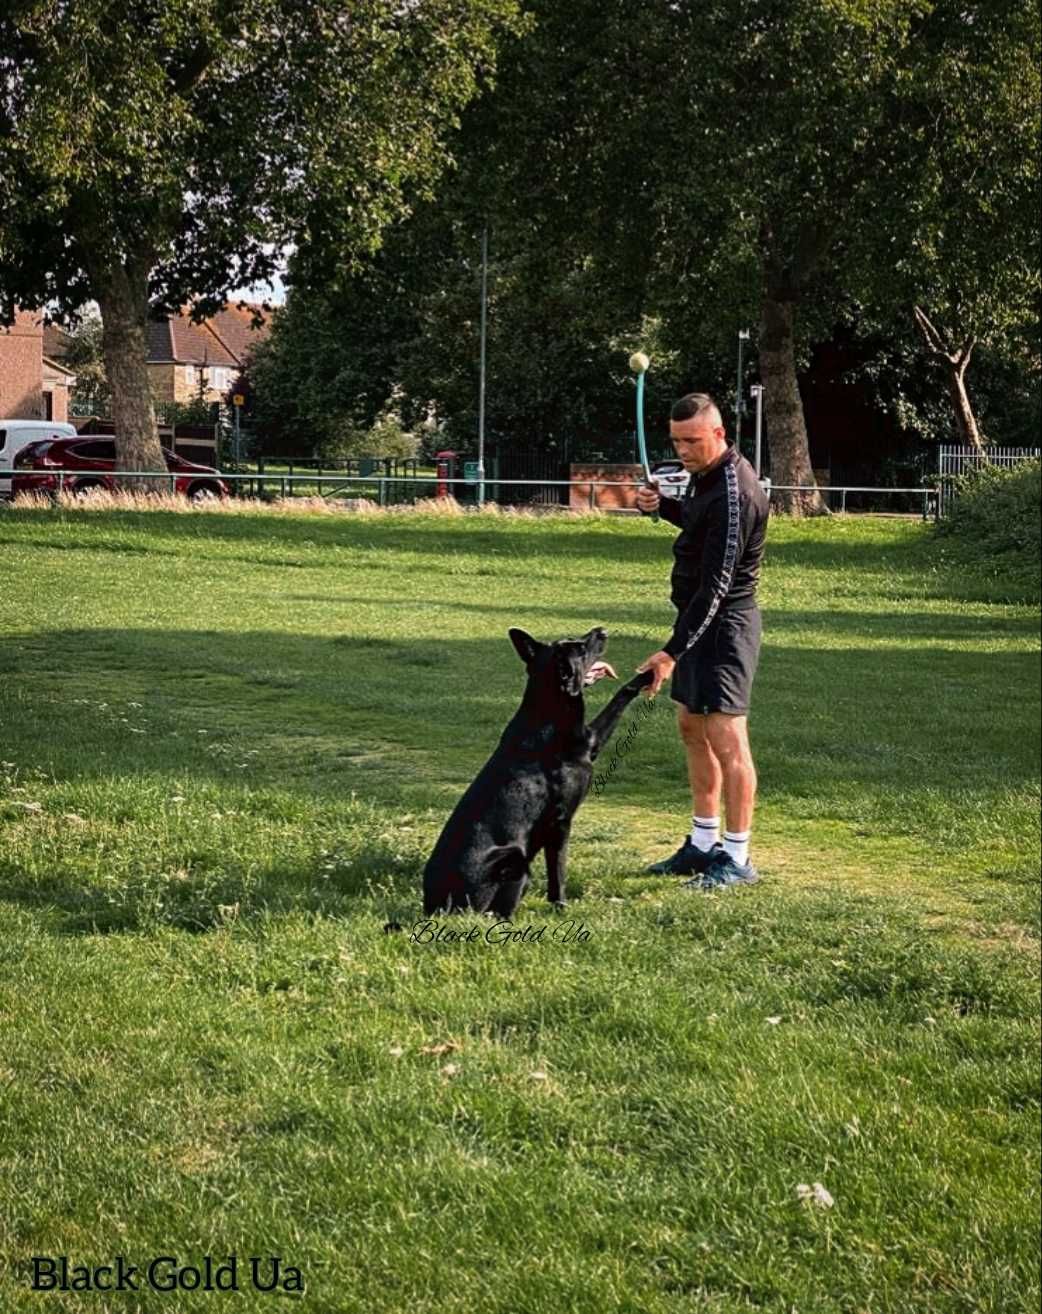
(639,362)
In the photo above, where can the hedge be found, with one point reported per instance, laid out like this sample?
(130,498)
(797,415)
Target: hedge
(994,519)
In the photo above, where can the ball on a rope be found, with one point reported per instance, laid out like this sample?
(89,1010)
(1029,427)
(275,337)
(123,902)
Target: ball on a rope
(639,362)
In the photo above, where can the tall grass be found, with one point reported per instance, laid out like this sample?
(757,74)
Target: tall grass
(131,499)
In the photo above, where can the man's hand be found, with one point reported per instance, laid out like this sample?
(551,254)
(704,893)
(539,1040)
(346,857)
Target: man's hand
(661,665)
(648,498)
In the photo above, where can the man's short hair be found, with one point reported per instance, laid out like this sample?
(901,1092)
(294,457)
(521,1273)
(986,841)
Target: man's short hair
(694,405)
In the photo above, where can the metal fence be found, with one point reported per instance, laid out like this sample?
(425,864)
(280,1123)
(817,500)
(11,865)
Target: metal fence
(309,477)
(392,489)
(955,461)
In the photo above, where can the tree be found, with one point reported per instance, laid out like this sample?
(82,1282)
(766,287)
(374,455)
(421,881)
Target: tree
(968,275)
(956,359)
(85,356)
(157,153)
(558,343)
(738,161)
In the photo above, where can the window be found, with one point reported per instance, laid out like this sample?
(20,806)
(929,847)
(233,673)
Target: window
(190,374)
(219,379)
(95,451)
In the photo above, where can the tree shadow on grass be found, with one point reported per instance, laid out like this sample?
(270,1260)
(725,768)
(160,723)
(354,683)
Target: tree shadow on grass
(407,723)
(608,538)
(656,620)
(269,541)
(71,696)
(431,536)
(216,899)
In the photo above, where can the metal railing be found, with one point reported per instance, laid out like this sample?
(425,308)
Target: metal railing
(954,461)
(384,485)
(928,494)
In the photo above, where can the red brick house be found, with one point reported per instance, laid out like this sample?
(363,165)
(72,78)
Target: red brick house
(33,386)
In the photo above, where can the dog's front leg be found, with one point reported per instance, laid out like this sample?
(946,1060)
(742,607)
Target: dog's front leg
(602,727)
(556,853)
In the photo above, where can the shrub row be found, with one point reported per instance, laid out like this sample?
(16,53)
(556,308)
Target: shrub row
(994,519)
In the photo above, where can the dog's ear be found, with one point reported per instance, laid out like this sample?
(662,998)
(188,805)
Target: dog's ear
(526,646)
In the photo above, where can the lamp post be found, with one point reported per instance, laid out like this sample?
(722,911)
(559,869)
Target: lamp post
(743,337)
(481,384)
(757,391)
(238,401)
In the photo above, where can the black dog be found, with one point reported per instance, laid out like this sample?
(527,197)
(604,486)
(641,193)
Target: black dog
(526,794)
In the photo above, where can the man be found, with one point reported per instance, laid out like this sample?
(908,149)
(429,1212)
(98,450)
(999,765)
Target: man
(715,644)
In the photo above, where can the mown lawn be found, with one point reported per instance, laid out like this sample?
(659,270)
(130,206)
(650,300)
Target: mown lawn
(228,744)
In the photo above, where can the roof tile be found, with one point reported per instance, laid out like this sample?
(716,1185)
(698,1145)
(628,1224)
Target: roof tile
(224,339)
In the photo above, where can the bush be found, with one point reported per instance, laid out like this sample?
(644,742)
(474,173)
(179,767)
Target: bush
(994,518)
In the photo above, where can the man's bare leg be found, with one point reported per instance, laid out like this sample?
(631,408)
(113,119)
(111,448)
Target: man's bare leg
(706,779)
(728,738)
(704,772)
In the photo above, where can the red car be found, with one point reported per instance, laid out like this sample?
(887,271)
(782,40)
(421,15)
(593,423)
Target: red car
(91,457)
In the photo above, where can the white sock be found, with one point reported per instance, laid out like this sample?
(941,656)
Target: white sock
(705,832)
(736,845)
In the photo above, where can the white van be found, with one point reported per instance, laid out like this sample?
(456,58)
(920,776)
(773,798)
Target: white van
(16,434)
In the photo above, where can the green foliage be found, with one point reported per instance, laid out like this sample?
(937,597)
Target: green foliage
(666,169)
(84,355)
(386,436)
(311,376)
(995,521)
(164,152)
(197,411)
(408,325)
(912,391)
(194,139)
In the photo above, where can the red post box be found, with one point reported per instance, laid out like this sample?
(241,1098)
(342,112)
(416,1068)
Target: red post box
(446,467)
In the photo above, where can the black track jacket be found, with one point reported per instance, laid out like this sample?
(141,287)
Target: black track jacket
(722,519)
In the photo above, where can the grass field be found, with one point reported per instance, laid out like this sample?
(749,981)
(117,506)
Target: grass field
(228,744)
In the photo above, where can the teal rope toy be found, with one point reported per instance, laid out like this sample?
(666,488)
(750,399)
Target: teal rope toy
(639,365)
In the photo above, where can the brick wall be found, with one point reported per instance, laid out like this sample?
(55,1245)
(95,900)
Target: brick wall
(583,478)
(55,392)
(161,382)
(58,394)
(21,368)
(171,382)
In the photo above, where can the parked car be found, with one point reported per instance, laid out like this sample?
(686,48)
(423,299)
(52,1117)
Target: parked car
(90,457)
(17,434)
(671,477)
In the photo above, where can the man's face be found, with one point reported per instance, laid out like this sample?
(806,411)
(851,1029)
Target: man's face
(698,441)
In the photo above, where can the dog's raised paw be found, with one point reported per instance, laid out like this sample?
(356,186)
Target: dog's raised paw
(599,671)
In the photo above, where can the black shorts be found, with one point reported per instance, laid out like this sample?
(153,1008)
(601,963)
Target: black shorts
(716,675)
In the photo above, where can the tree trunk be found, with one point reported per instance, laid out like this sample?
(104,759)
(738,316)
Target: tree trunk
(965,420)
(790,450)
(955,362)
(122,294)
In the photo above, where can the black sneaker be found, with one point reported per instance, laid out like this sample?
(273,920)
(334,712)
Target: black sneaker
(722,873)
(688,860)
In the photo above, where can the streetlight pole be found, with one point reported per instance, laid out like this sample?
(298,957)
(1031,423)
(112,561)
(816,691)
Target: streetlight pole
(743,337)
(238,401)
(481,384)
(757,391)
